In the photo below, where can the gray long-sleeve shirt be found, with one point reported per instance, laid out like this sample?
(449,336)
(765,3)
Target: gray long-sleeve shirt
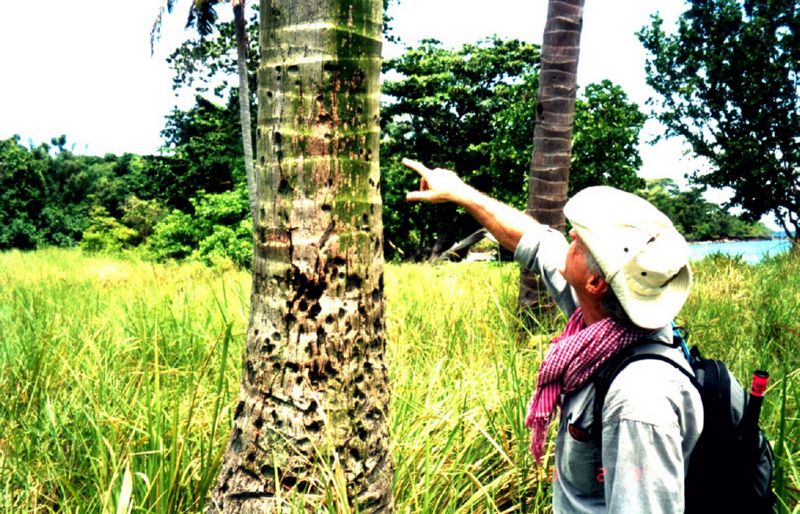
(652,418)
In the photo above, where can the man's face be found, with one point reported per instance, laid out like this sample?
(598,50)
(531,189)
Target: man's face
(575,270)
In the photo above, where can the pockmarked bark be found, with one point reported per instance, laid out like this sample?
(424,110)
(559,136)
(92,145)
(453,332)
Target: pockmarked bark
(314,391)
(552,136)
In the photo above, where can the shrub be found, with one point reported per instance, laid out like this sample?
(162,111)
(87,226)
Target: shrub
(234,243)
(142,216)
(219,229)
(105,234)
(174,237)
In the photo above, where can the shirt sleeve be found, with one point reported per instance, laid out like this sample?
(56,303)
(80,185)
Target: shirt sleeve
(543,251)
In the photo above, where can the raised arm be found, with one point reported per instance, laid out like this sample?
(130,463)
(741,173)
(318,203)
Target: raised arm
(506,223)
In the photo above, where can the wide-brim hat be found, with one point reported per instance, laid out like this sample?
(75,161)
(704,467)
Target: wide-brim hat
(644,258)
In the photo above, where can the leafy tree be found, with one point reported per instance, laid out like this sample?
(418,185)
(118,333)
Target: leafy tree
(696,218)
(727,80)
(141,216)
(70,182)
(226,229)
(74,184)
(22,195)
(443,112)
(206,153)
(471,109)
(174,237)
(50,192)
(605,140)
(162,177)
(62,225)
(203,16)
(228,243)
(209,65)
(105,234)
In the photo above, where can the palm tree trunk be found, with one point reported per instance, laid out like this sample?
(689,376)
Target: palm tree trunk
(552,136)
(239,21)
(314,394)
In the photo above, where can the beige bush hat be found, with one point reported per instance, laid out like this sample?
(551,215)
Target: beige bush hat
(644,258)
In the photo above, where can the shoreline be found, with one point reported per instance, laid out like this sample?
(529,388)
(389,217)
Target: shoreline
(738,240)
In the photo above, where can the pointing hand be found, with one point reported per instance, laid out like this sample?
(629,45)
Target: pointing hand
(436,185)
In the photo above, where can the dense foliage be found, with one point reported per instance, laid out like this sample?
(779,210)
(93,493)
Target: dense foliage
(46,192)
(22,191)
(696,218)
(728,84)
(204,148)
(189,202)
(472,110)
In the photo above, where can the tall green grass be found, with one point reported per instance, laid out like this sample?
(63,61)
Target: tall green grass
(117,380)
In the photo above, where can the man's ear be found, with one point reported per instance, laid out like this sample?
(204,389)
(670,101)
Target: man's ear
(596,285)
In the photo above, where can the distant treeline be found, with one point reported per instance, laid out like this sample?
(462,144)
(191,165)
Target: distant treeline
(194,203)
(189,202)
(469,109)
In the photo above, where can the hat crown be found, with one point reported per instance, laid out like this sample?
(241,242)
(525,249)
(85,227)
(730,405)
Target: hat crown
(660,259)
(639,250)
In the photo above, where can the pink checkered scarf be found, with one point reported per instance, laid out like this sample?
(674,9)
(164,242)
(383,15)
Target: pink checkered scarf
(572,358)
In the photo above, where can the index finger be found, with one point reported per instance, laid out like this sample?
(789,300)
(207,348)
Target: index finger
(416,166)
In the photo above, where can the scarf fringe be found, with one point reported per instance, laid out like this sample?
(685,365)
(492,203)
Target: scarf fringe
(538,434)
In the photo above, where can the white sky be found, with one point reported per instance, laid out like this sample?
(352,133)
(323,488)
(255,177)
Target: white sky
(83,67)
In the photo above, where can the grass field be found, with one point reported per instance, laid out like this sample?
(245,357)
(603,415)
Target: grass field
(117,379)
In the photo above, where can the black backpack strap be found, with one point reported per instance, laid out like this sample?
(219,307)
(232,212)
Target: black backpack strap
(609,371)
(716,395)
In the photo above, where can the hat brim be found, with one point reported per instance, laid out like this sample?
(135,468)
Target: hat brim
(654,311)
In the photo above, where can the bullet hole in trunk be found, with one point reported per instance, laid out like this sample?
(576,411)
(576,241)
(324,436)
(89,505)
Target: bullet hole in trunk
(283,185)
(353,282)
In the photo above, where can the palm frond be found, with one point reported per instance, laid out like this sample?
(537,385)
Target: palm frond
(155,32)
(202,16)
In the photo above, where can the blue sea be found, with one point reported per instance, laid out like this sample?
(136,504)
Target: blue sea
(750,251)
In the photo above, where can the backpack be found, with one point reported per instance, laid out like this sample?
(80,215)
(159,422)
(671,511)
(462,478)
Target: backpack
(730,468)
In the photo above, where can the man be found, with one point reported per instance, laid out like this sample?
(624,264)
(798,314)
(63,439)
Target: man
(622,279)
